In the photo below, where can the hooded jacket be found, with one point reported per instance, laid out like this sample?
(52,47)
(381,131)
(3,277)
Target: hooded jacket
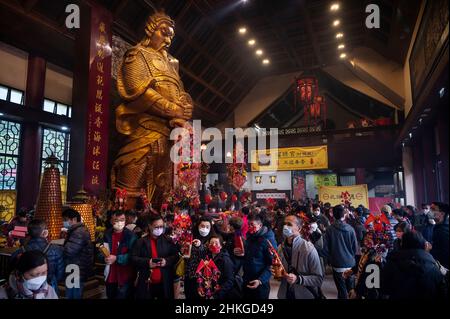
(340,245)
(412,274)
(258,259)
(78,250)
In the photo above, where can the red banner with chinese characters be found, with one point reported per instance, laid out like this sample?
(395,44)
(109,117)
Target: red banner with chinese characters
(96,160)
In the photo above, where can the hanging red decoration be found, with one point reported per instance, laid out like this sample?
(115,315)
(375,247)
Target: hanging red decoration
(234,198)
(207,278)
(208,199)
(308,95)
(223,196)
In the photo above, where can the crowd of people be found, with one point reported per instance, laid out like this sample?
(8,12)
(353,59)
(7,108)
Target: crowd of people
(394,253)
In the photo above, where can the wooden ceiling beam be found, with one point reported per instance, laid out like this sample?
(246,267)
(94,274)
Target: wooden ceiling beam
(309,29)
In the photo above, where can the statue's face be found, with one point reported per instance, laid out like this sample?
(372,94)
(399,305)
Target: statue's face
(162,38)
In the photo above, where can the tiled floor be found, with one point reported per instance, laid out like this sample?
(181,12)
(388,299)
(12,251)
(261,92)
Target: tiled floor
(328,288)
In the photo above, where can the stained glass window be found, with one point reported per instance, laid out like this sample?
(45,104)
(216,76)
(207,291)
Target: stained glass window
(9,154)
(56,143)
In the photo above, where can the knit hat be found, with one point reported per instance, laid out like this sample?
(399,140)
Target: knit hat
(386,209)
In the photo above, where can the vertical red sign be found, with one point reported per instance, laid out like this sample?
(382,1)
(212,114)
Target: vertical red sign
(100,57)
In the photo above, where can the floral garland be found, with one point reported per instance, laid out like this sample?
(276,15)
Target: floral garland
(185,194)
(208,276)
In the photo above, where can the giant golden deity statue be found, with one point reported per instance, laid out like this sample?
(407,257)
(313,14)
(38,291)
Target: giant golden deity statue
(153,102)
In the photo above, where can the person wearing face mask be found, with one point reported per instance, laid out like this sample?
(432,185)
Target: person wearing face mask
(78,250)
(257,259)
(227,282)
(322,221)
(202,233)
(154,257)
(29,278)
(425,222)
(304,274)
(119,240)
(440,243)
(38,232)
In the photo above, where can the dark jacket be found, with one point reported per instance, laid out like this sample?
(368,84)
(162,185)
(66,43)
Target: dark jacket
(322,221)
(227,280)
(140,258)
(258,259)
(340,245)
(78,250)
(440,244)
(55,258)
(412,274)
(124,270)
(358,226)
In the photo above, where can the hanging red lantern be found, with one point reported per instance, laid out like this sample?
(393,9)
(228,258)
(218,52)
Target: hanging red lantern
(223,196)
(234,198)
(308,89)
(208,199)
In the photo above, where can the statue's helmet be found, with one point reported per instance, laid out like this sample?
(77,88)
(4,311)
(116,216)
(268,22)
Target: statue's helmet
(155,20)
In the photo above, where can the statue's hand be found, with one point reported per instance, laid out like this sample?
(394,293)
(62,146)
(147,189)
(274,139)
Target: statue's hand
(187,111)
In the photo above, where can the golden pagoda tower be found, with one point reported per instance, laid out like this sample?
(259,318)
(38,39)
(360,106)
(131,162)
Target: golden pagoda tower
(49,204)
(81,205)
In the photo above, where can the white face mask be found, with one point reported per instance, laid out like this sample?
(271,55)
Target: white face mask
(314,227)
(157,232)
(34,283)
(287,231)
(203,231)
(119,226)
(316,212)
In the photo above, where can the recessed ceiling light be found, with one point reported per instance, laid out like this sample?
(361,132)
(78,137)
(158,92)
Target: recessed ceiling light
(442,92)
(334,7)
(259,52)
(243,30)
(339,35)
(251,42)
(410,135)
(64,128)
(336,23)
(343,55)
(341,46)
(266,61)
(1,114)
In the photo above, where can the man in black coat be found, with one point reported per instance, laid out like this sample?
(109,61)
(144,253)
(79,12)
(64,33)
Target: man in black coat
(78,251)
(155,257)
(411,272)
(440,233)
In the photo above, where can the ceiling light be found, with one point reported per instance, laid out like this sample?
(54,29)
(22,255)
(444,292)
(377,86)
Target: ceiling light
(334,7)
(341,46)
(64,128)
(259,52)
(343,55)
(442,92)
(336,23)
(252,42)
(266,61)
(410,135)
(243,30)
(339,35)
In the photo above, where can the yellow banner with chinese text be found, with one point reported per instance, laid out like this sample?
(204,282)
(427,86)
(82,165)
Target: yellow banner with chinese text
(290,159)
(354,195)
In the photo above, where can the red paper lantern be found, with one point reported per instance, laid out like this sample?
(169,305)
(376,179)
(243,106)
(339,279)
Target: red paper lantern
(308,89)
(223,196)
(208,199)
(234,198)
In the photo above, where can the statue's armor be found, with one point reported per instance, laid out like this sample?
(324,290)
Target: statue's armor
(149,84)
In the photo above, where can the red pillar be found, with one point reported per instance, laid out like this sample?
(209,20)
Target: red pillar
(30,142)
